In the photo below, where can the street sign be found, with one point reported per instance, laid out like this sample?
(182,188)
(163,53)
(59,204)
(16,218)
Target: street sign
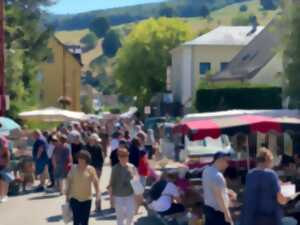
(147,110)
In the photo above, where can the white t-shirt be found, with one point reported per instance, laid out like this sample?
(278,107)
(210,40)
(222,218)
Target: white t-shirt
(212,178)
(165,201)
(50,150)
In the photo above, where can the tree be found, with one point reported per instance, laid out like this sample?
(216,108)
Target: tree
(142,61)
(167,11)
(100,26)
(87,104)
(204,11)
(292,56)
(243,8)
(89,41)
(26,48)
(269,4)
(111,43)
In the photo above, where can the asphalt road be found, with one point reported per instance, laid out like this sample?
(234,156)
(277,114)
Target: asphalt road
(43,208)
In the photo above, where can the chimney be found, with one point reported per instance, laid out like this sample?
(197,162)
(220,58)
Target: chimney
(254,25)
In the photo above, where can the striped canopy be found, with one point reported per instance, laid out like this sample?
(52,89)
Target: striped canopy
(201,128)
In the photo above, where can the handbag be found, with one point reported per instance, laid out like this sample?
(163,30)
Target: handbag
(137,186)
(67,213)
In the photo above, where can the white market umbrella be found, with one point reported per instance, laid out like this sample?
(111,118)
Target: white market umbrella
(52,114)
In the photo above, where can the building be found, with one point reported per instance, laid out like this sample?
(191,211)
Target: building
(61,75)
(260,62)
(207,54)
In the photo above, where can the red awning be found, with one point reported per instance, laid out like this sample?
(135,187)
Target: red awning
(201,128)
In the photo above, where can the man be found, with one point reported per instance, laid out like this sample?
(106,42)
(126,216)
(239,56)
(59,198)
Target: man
(165,198)
(97,159)
(40,157)
(216,195)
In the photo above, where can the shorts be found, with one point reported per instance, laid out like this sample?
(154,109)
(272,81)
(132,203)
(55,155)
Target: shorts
(40,167)
(60,173)
(6,176)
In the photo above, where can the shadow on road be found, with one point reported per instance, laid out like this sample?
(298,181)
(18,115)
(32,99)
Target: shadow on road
(148,221)
(106,214)
(43,197)
(54,219)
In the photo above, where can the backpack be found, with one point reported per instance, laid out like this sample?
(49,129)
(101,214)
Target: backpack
(157,190)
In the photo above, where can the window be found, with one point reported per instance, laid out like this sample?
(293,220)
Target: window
(204,68)
(224,65)
(50,57)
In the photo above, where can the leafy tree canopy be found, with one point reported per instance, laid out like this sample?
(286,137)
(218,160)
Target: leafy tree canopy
(243,8)
(142,61)
(89,41)
(269,4)
(26,43)
(111,43)
(100,26)
(292,56)
(167,11)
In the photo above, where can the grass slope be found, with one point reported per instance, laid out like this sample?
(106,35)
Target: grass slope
(93,59)
(224,16)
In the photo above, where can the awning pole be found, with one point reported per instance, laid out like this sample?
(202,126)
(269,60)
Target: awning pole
(248,152)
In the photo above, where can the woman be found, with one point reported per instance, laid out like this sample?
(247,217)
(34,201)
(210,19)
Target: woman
(79,188)
(121,189)
(76,147)
(97,160)
(263,198)
(61,161)
(5,176)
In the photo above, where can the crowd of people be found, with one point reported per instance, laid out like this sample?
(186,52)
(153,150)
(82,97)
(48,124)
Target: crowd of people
(70,161)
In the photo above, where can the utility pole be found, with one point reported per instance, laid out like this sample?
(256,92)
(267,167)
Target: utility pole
(2,60)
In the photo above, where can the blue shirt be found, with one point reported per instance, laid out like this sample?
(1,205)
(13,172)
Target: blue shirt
(260,197)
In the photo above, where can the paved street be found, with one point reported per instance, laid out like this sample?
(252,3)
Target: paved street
(41,208)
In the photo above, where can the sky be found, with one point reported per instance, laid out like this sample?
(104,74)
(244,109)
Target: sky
(77,6)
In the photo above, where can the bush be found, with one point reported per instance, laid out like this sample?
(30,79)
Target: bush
(208,100)
(243,8)
(242,19)
(89,41)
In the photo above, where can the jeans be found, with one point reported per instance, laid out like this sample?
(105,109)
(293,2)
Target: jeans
(81,211)
(51,171)
(174,209)
(214,217)
(125,209)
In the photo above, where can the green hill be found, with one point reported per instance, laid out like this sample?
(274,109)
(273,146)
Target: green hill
(95,61)
(117,16)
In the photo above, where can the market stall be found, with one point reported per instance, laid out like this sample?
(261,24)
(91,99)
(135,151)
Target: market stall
(200,128)
(52,114)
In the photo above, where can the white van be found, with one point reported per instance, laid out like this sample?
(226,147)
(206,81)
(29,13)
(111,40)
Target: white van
(171,143)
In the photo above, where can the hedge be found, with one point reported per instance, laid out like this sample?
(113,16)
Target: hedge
(209,100)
